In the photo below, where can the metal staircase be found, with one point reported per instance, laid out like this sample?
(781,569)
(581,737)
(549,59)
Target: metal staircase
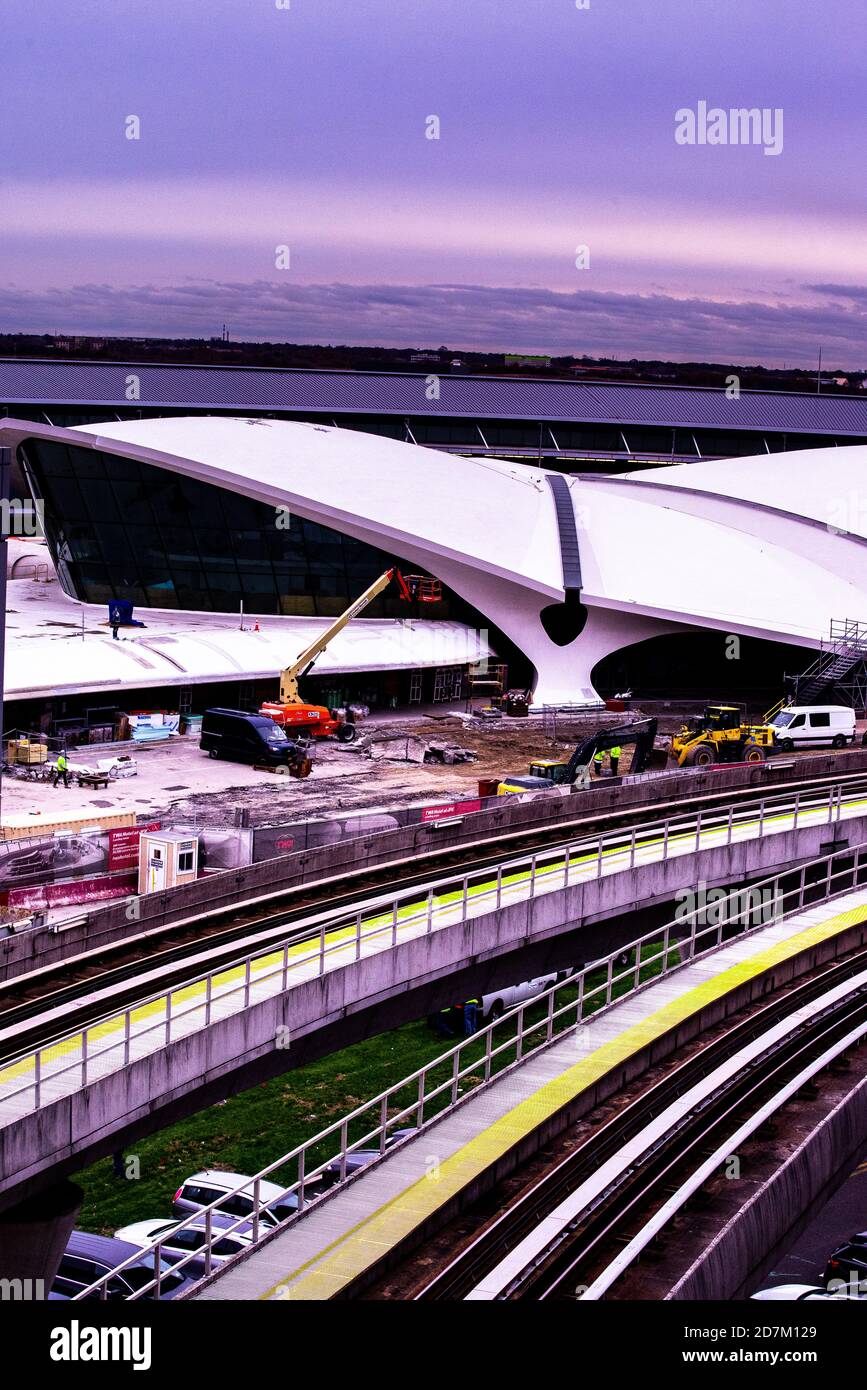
(840,669)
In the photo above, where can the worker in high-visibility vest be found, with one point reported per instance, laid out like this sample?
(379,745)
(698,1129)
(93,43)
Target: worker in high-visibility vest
(598,763)
(61,770)
(614,758)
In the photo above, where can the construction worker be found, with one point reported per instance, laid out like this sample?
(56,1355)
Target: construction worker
(61,770)
(441,1024)
(598,762)
(471,1013)
(614,758)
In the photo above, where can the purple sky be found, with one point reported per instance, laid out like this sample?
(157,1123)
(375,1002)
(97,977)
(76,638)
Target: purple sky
(306,127)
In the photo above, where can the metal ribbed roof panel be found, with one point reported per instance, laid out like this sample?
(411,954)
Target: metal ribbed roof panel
(46,383)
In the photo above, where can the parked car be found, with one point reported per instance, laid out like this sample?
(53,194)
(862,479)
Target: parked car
(848,1263)
(500,1001)
(813,726)
(247,738)
(177,1243)
(800,1293)
(359,1158)
(209,1186)
(88,1258)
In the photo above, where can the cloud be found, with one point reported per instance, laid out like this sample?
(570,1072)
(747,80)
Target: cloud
(468,316)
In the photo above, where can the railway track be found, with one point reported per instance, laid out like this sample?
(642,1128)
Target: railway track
(511,1260)
(174,953)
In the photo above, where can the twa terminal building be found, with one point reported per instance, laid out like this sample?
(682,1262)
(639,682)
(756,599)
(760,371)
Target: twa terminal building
(578,581)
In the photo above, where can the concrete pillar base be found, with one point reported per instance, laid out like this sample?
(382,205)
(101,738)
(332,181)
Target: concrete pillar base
(33,1237)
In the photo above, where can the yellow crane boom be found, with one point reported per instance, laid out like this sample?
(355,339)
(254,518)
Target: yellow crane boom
(290,676)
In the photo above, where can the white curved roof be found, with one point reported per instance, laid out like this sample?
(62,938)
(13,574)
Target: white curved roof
(488,509)
(772,546)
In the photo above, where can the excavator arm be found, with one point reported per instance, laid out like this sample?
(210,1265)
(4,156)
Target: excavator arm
(290,676)
(642,733)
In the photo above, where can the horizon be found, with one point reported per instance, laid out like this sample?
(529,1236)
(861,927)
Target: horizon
(526,181)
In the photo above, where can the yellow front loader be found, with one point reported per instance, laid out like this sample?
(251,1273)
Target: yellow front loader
(721,735)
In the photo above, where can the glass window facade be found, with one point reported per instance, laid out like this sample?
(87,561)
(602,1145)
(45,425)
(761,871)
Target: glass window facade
(122,529)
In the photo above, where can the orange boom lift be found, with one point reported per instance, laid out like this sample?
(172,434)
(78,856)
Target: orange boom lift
(290,711)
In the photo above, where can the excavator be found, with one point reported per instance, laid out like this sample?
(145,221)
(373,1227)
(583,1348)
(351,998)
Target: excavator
(315,721)
(547,772)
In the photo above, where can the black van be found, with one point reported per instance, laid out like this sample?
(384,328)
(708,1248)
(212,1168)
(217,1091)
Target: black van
(246,738)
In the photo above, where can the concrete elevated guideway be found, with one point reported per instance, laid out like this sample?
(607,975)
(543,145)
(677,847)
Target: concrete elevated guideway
(338,1246)
(83,1094)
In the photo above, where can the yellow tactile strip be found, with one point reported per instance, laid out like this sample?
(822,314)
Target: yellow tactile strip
(338,1265)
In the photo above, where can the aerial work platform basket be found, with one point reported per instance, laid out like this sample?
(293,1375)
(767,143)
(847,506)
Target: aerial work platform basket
(423,589)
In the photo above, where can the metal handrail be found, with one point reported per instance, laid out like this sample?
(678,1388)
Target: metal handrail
(383,914)
(676,947)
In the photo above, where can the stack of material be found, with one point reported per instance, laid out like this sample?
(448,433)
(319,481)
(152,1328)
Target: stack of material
(26,752)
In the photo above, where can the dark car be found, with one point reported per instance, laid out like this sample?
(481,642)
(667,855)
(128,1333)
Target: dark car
(247,738)
(88,1258)
(848,1263)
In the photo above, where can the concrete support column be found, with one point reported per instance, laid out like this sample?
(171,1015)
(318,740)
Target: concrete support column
(33,1237)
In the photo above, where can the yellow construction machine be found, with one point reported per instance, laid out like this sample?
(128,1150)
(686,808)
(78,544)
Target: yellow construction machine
(721,735)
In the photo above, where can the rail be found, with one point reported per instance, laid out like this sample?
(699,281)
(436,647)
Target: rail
(435,1089)
(379,925)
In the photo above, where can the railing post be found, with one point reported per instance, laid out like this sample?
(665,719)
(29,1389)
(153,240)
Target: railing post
(698,830)
(665,840)
(533,876)
(209,983)
(84,1056)
(168,1016)
(632,850)
(301,1175)
(566,867)
(419,1111)
(285,979)
(456,1064)
(609,980)
(344,1140)
(489,1042)
(247,983)
(394,924)
(358,935)
(599,859)
(803,887)
(761,817)
(208,1239)
(731,823)
(519,1036)
(464,900)
(797,809)
(430,909)
(383,1121)
(499,885)
(126,1032)
(550,1029)
(37,1077)
(580,1000)
(256,1199)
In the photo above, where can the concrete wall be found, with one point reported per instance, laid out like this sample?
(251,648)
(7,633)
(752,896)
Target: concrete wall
(366,997)
(421,845)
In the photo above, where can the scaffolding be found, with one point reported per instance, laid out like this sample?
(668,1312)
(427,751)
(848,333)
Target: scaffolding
(839,672)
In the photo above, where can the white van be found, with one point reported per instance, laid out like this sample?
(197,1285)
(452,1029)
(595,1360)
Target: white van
(813,726)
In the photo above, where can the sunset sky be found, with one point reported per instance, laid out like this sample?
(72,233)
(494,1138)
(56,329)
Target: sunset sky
(306,127)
